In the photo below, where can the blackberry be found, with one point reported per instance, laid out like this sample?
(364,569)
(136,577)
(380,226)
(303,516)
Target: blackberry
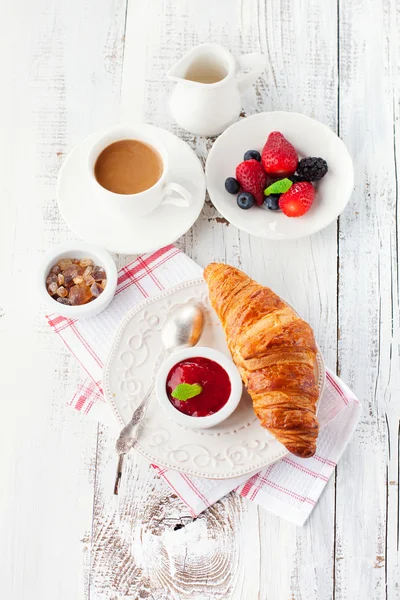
(312,168)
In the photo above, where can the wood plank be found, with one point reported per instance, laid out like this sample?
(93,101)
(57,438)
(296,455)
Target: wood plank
(392,566)
(47,460)
(367,520)
(59,64)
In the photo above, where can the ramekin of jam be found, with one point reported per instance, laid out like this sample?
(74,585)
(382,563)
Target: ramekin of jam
(198,387)
(77,280)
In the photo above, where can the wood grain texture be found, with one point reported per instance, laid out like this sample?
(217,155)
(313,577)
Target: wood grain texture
(366,556)
(77,67)
(56,90)
(145,545)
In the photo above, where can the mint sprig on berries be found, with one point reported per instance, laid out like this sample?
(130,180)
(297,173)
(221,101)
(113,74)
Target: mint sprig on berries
(185,391)
(278,187)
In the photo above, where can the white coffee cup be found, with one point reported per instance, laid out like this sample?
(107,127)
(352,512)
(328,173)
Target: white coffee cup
(142,203)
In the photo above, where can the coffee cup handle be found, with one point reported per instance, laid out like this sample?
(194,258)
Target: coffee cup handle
(170,188)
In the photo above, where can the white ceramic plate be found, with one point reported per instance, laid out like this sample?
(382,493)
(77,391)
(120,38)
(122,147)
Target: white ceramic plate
(77,202)
(310,138)
(237,446)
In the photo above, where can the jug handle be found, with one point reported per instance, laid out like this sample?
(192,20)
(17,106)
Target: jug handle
(254,63)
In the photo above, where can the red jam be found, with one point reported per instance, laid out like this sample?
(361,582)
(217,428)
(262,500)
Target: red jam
(214,380)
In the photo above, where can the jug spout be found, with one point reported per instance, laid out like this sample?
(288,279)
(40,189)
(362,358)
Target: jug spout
(178,70)
(207,63)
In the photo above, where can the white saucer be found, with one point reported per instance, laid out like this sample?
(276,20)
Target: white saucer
(77,202)
(310,138)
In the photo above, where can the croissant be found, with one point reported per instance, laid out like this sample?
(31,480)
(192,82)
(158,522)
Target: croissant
(275,352)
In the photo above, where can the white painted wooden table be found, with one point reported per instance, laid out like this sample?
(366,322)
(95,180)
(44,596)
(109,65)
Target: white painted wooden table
(71,68)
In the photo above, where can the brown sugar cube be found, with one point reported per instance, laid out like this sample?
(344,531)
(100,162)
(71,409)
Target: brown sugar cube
(76,261)
(60,279)
(103,283)
(63,301)
(87,271)
(51,278)
(86,262)
(62,292)
(56,269)
(52,289)
(96,290)
(99,273)
(71,272)
(78,280)
(88,280)
(63,263)
(79,294)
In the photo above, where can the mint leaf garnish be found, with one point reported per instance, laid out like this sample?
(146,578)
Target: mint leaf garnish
(278,187)
(185,391)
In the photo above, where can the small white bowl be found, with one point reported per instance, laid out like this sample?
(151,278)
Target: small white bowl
(76,249)
(199,422)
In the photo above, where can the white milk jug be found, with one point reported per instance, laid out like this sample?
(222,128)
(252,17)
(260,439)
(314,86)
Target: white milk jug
(206,99)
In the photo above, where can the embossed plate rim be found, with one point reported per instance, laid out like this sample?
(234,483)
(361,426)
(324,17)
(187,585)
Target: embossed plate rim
(274,456)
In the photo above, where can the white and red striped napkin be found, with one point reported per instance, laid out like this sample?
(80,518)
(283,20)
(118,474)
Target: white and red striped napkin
(289,488)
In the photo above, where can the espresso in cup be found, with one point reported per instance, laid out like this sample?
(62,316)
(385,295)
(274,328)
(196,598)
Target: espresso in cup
(130,172)
(128,167)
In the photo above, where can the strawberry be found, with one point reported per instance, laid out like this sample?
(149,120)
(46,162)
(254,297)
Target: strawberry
(252,178)
(298,200)
(279,158)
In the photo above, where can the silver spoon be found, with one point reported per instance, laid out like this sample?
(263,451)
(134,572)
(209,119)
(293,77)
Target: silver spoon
(181,330)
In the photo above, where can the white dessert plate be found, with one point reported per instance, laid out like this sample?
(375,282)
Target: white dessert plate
(237,446)
(310,138)
(116,233)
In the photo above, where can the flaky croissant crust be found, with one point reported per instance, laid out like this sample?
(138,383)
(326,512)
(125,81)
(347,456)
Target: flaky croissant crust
(275,352)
